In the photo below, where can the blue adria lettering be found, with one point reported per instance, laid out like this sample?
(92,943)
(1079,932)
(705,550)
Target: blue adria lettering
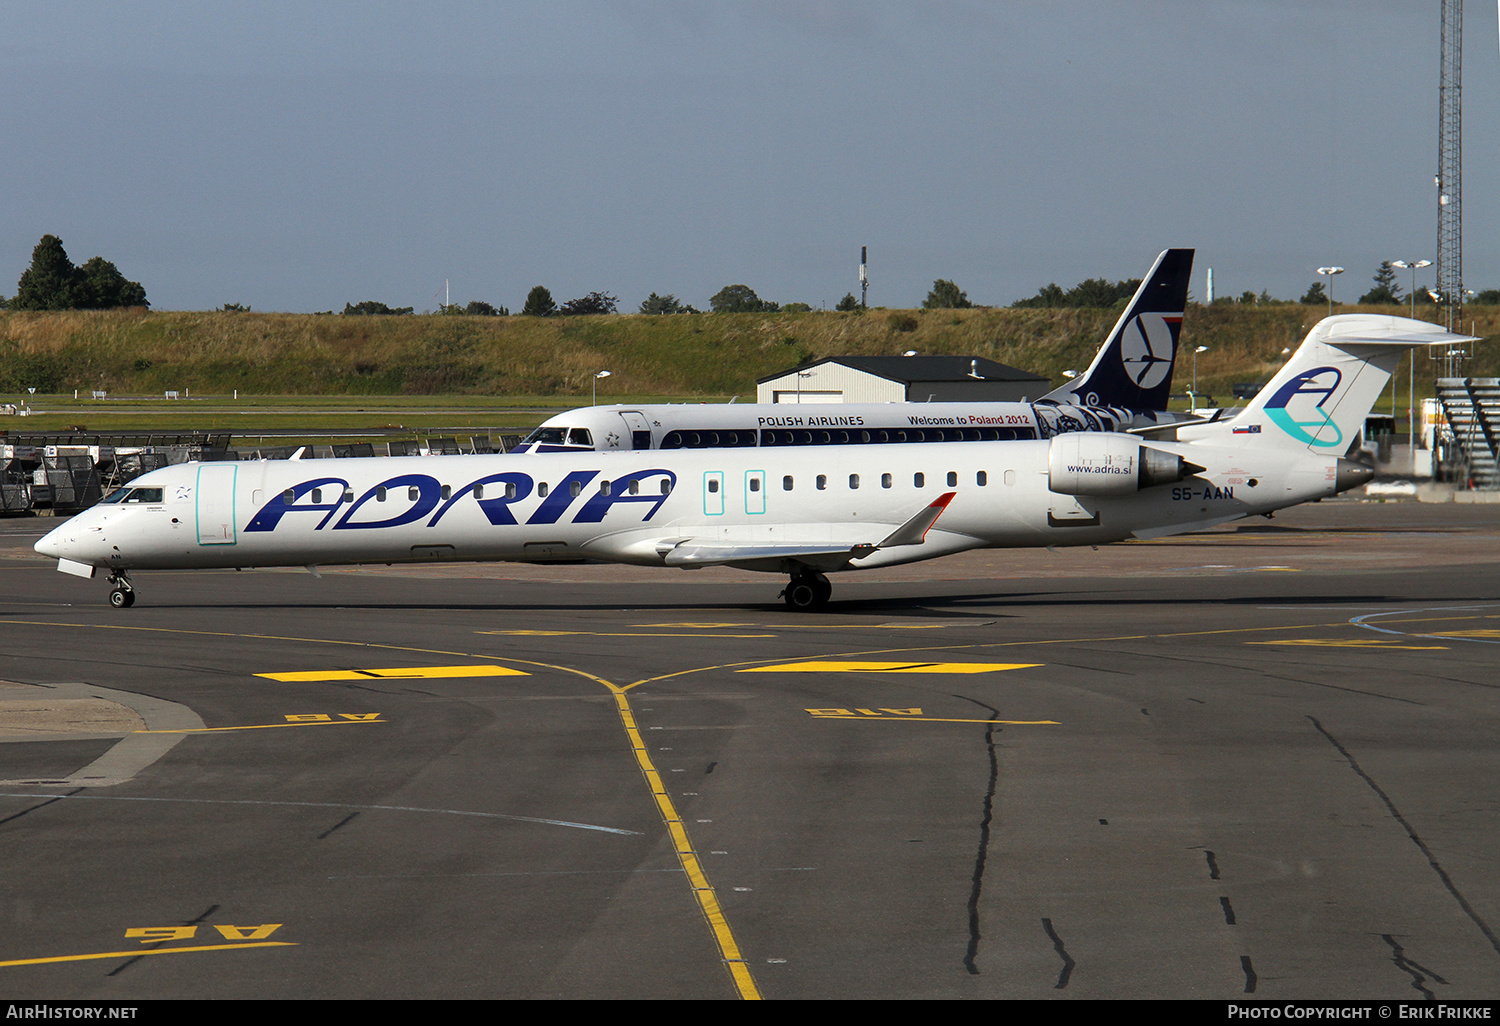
(415,496)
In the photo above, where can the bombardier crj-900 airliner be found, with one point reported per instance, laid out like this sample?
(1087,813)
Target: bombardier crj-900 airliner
(804,512)
(1125,389)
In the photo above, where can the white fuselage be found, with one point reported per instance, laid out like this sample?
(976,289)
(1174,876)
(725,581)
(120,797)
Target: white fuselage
(637,507)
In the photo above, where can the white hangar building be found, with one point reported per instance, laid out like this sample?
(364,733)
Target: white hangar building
(901,379)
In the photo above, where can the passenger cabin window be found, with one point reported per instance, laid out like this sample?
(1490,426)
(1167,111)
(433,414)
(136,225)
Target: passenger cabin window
(786,483)
(919,480)
(981,478)
(1010,477)
(885,480)
(952,479)
(541,490)
(755,484)
(289,496)
(380,494)
(510,489)
(666,487)
(853,481)
(603,487)
(447,492)
(635,488)
(479,491)
(413,493)
(713,484)
(575,489)
(822,482)
(317,495)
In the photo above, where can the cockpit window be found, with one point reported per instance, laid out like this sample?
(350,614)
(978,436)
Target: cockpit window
(118,495)
(144,495)
(580,436)
(548,436)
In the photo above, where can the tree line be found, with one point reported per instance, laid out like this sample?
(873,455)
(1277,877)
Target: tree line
(53,283)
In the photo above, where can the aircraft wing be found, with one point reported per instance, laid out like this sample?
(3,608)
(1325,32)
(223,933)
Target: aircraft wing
(822,555)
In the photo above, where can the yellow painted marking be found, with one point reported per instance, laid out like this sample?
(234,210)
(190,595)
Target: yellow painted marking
(152,934)
(805,626)
(708,901)
(1480,633)
(268,726)
(698,626)
(256,932)
(157,951)
(835,666)
(865,712)
(618,634)
(396,673)
(1351,643)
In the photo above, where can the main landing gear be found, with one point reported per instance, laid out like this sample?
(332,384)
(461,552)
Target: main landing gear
(807,591)
(122,593)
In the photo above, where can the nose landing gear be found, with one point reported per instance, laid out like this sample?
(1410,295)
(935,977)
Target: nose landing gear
(807,591)
(122,592)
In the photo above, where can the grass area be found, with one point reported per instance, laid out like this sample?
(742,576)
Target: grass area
(307,370)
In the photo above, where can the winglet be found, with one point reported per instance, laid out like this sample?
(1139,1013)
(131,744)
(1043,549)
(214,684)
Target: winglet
(915,530)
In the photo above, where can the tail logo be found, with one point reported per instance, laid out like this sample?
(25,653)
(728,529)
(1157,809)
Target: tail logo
(1147,348)
(1297,407)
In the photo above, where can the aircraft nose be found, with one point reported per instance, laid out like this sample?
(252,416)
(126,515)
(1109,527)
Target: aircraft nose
(54,543)
(75,540)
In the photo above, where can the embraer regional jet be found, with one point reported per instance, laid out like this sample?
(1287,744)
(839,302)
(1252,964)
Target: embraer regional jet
(804,512)
(1125,389)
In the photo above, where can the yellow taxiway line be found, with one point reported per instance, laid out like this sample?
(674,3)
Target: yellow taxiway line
(155,951)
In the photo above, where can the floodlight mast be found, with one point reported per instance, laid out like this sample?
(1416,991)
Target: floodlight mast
(1330,272)
(1450,274)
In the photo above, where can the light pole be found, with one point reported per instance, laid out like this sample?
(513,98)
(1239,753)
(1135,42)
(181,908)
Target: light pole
(1193,407)
(601,374)
(1413,264)
(1330,272)
(800,376)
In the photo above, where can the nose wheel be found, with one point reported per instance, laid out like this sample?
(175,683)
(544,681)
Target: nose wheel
(122,593)
(807,592)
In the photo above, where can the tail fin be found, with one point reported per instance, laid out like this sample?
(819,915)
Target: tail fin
(1133,368)
(1320,398)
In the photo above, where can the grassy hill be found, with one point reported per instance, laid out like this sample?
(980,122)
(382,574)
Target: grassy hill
(692,355)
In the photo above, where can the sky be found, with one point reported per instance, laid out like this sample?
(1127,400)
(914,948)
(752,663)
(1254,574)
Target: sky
(295,157)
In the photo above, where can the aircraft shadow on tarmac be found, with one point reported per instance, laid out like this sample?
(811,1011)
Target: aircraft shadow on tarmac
(945,605)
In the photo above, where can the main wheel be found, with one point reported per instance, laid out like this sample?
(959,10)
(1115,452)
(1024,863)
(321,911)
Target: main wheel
(122,599)
(806,592)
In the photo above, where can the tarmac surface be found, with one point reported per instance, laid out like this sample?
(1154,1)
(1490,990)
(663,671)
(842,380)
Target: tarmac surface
(1258,761)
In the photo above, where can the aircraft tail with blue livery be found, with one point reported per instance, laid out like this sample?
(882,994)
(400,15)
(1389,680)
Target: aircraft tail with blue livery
(1319,400)
(1133,368)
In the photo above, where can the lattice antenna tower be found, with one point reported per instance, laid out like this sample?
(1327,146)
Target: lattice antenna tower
(1450,260)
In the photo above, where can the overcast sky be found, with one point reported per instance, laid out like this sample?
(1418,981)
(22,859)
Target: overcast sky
(298,156)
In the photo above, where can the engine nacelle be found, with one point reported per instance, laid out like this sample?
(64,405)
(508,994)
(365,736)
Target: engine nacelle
(1098,463)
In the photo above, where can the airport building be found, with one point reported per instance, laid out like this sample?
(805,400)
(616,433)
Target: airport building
(901,379)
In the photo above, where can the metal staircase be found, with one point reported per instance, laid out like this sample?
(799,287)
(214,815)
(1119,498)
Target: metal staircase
(1472,409)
